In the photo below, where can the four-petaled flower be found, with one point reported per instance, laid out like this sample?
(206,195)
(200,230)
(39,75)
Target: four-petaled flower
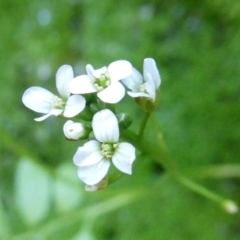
(41,100)
(104,81)
(146,85)
(93,159)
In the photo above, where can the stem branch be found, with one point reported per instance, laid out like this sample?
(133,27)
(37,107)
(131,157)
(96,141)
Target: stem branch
(143,124)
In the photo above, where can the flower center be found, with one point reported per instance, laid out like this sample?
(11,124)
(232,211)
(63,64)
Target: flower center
(108,149)
(102,82)
(58,103)
(142,88)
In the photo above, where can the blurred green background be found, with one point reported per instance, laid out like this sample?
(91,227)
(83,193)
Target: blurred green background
(197,49)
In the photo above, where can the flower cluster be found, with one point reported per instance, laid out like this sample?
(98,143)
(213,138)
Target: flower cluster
(101,130)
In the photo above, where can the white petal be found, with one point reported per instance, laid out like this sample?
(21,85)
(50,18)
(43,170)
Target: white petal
(63,77)
(88,154)
(105,126)
(39,119)
(38,99)
(94,174)
(113,93)
(134,80)
(98,186)
(124,157)
(119,70)
(54,112)
(95,73)
(82,84)
(66,128)
(75,104)
(138,94)
(149,66)
(150,87)
(90,71)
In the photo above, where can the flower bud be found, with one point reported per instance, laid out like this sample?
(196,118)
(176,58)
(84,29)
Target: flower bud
(230,206)
(124,120)
(74,131)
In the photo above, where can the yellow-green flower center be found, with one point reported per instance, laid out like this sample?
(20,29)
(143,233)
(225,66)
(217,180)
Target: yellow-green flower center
(142,88)
(108,149)
(102,82)
(58,103)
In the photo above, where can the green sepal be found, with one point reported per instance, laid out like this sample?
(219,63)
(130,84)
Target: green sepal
(124,120)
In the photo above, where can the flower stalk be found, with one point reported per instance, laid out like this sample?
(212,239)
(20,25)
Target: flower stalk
(143,124)
(160,155)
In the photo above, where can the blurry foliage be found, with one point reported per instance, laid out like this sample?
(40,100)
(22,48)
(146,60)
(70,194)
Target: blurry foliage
(196,46)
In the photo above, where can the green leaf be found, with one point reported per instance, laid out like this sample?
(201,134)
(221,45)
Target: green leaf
(32,191)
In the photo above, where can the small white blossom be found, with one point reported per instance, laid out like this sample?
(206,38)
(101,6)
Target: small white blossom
(73,130)
(104,81)
(41,100)
(146,85)
(93,159)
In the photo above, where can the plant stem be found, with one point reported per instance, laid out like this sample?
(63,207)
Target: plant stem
(149,149)
(143,124)
(200,189)
(158,152)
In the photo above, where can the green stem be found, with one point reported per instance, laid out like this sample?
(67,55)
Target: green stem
(150,150)
(158,152)
(200,189)
(143,124)
(214,171)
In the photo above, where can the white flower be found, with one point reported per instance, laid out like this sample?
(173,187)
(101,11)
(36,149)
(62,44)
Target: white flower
(73,130)
(146,85)
(104,81)
(93,159)
(41,100)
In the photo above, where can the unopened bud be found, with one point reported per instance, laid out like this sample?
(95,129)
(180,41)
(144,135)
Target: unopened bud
(74,130)
(230,206)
